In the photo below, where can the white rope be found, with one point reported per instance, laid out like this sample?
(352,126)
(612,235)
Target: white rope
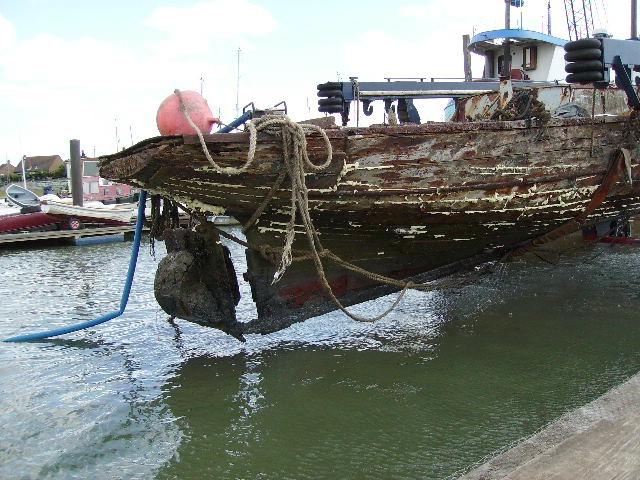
(273,124)
(296,162)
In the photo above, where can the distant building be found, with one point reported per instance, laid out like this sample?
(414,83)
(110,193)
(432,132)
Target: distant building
(6,169)
(42,163)
(96,188)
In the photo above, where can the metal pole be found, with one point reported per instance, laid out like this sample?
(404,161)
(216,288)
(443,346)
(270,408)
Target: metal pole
(549,18)
(575,23)
(634,18)
(566,12)
(586,19)
(467,58)
(238,87)
(507,14)
(76,172)
(506,59)
(24,176)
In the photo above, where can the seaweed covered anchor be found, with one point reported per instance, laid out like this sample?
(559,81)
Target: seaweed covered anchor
(196,281)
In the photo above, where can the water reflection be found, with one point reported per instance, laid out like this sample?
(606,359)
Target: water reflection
(446,379)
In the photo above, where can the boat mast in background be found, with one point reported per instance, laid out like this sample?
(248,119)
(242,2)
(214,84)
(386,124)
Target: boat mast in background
(115,121)
(24,176)
(238,86)
(549,17)
(579,18)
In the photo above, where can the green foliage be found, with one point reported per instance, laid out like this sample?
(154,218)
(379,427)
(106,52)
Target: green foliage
(38,174)
(60,172)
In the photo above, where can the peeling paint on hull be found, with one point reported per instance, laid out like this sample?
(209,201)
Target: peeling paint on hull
(401,200)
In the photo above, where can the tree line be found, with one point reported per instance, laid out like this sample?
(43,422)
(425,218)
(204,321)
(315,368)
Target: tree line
(60,172)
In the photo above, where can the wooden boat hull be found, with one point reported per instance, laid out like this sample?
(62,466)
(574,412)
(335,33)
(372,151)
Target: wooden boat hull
(401,201)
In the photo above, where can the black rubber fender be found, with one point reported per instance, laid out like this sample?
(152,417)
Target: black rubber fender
(330,86)
(584,54)
(583,43)
(585,66)
(330,93)
(331,101)
(330,109)
(585,77)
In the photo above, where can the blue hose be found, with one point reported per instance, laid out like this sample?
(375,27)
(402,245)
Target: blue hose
(125,293)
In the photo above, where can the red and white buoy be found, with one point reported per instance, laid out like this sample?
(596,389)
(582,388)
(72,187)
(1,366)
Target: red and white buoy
(171,120)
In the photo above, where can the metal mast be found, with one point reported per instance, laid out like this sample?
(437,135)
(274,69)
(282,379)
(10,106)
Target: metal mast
(634,19)
(579,18)
(238,86)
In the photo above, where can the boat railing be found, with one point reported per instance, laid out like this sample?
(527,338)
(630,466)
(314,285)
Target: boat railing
(462,79)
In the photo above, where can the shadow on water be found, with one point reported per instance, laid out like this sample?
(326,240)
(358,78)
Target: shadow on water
(424,394)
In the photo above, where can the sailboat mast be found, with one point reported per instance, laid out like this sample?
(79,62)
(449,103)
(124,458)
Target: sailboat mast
(24,175)
(238,87)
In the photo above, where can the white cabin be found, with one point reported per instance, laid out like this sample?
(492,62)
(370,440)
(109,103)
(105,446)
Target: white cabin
(534,56)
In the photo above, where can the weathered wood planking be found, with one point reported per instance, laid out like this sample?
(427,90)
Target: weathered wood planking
(401,201)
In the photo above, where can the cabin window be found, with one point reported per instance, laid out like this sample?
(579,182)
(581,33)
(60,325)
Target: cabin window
(90,169)
(501,66)
(489,64)
(529,58)
(93,187)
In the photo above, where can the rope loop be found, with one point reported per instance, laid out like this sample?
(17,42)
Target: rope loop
(296,164)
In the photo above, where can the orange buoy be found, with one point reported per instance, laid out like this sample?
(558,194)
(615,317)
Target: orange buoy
(172,121)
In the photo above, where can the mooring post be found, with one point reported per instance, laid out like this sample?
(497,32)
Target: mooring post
(76,172)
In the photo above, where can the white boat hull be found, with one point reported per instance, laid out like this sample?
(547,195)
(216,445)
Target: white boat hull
(118,214)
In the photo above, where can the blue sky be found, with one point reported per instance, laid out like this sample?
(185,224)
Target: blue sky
(79,69)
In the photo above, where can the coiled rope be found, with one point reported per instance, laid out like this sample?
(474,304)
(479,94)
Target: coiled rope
(296,163)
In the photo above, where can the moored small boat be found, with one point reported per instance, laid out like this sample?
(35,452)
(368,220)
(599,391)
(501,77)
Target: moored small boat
(118,214)
(23,198)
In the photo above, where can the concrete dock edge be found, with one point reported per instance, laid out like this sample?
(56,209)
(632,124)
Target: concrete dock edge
(600,440)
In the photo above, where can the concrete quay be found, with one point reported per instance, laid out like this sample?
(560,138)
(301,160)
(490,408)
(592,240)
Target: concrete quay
(600,440)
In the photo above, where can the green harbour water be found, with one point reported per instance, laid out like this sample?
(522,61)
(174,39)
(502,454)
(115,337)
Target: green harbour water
(447,379)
